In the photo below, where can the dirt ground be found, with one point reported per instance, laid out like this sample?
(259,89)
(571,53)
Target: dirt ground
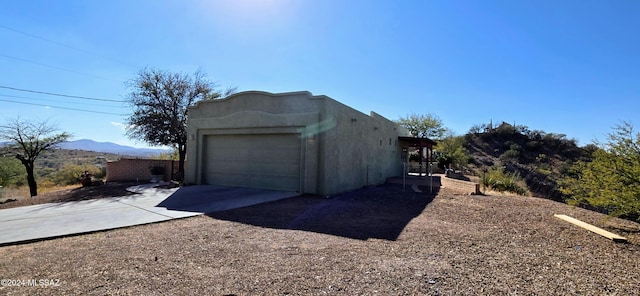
(378,240)
(74,193)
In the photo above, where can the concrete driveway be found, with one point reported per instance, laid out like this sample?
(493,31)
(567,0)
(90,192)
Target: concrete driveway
(150,205)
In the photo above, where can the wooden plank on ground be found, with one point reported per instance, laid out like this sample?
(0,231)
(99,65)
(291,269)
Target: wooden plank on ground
(587,226)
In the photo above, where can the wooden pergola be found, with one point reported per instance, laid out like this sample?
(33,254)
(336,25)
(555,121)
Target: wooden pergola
(420,143)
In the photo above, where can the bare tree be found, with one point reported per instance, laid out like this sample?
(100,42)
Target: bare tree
(27,140)
(160,101)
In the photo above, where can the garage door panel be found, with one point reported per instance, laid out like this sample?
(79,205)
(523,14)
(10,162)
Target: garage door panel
(262,161)
(267,169)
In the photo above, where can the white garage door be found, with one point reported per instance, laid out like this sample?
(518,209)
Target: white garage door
(270,161)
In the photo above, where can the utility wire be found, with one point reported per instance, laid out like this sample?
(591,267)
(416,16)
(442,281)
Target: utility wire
(58,107)
(63,102)
(53,67)
(59,95)
(64,45)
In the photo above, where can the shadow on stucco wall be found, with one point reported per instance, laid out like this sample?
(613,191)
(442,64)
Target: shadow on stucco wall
(380,212)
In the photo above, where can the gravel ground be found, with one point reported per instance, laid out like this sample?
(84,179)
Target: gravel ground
(378,240)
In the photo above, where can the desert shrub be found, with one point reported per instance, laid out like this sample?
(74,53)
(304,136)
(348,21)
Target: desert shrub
(45,172)
(544,169)
(536,135)
(101,173)
(510,155)
(610,182)
(499,180)
(444,160)
(69,174)
(534,144)
(506,129)
(507,144)
(12,172)
(46,183)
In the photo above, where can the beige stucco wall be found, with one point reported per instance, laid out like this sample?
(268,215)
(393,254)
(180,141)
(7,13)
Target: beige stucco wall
(342,148)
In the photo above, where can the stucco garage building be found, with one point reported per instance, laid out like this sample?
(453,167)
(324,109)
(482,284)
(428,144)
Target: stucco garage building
(290,141)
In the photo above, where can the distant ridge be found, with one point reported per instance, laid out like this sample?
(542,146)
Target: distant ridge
(108,147)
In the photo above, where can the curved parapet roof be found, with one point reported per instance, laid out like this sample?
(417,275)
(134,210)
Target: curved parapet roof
(263,93)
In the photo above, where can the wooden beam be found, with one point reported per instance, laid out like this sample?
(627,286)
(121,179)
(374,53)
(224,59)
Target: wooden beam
(587,226)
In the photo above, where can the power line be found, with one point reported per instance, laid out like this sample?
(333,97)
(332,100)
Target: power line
(59,95)
(67,102)
(58,107)
(53,67)
(63,45)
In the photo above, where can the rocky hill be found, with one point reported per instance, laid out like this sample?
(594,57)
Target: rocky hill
(539,158)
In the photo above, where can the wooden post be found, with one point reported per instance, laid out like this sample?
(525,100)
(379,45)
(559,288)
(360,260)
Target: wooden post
(420,154)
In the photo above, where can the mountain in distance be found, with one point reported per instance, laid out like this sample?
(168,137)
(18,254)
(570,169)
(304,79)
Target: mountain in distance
(108,147)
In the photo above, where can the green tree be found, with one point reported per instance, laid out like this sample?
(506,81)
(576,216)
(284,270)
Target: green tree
(611,181)
(423,125)
(160,102)
(453,151)
(11,172)
(27,140)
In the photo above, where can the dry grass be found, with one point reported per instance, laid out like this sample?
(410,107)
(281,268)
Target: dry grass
(22,192)
(373,241)
(52,194)
(12,197)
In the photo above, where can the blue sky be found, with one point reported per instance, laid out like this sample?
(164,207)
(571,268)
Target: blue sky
(570,67)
